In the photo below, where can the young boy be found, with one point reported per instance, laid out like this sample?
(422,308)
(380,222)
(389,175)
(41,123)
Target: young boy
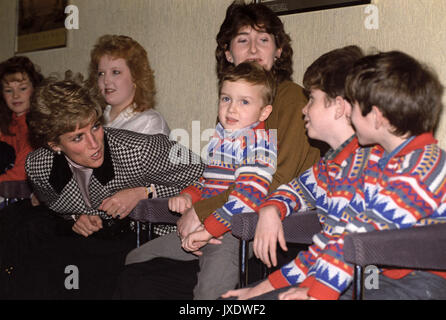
(396,105)
(241,156)
(241,153)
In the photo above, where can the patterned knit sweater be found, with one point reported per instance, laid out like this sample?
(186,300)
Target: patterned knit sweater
(408,190)
(246,159)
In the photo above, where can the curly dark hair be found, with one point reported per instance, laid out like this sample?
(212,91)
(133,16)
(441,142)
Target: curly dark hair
(18,64)
(259,17)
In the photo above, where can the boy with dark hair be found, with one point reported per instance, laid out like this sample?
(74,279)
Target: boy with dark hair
(400,185)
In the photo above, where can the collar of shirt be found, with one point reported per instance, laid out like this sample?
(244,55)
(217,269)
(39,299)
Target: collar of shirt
(125,114)
(389,155)
(341,153)
(82,176)
(225,134)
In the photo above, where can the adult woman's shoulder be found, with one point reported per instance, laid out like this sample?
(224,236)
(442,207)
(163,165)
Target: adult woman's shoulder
(39,155)
(288,91)
(152,122)
(131,139)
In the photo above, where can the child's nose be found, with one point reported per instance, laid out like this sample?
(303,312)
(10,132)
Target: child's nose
(232,107)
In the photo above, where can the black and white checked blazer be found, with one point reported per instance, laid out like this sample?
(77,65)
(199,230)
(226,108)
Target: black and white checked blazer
(130,160)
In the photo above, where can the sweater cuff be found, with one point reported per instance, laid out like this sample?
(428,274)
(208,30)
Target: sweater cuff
(215,227)
(278,204)
(318,290)
(277,280)
(205,207)
(193,192)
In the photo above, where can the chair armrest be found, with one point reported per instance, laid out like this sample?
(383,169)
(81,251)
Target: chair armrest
(421,247)
(154,211)
(15,189)
(301,227)
(298,228)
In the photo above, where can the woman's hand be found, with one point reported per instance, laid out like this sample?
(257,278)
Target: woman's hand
(123,202)
(188,223)
(269,230)
(250,292)
(180,203)
(86,225)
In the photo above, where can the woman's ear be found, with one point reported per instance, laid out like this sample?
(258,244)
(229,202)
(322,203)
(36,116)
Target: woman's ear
(266,111)
(229,57)
(278,53)
(54,147)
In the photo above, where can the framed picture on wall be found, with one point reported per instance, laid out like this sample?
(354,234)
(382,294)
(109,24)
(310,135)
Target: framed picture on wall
(282,7)
(40,25)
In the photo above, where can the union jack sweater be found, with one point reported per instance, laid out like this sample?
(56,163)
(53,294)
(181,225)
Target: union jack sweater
(356,192)
(246,159)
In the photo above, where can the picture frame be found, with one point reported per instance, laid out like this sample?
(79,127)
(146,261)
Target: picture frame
(40,25)
(283,7)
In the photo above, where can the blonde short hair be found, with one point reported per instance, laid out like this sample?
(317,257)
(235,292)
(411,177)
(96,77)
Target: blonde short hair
(59,107)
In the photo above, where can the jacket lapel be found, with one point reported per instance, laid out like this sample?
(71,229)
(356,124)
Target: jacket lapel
(60,173)
(105,173)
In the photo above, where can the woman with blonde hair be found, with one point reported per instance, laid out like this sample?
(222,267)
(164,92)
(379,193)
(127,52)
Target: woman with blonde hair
(88,179)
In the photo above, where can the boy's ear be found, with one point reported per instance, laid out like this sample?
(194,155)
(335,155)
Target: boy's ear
(378,117)
(343,108)
(266,111)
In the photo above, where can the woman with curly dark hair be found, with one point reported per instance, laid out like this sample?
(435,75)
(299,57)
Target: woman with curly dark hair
(18,79)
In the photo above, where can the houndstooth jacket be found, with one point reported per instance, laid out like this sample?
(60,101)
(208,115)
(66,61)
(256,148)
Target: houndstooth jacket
(130,160)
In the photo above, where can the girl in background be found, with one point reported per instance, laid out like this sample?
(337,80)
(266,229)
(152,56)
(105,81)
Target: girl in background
(18,79)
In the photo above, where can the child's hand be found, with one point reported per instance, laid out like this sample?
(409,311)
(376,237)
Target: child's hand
(269,230)
(295,294)
(196,240)
(249,292)
(180,203)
